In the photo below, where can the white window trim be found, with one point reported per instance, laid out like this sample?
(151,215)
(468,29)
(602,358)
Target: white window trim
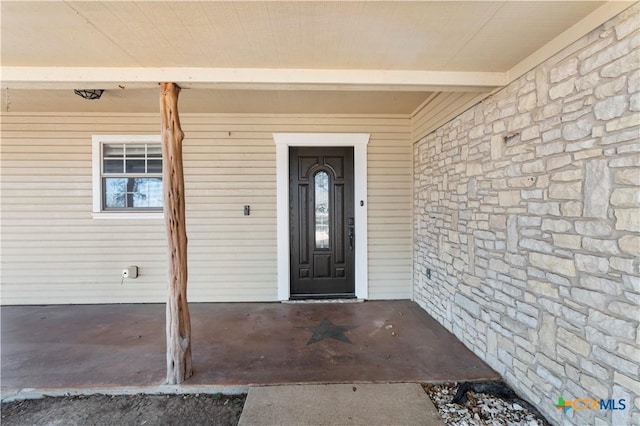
(359,143)
(96,161)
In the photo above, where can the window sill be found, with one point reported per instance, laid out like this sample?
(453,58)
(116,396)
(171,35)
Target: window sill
(127,215)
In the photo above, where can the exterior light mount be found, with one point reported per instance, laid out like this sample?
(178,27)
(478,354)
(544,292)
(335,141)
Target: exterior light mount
(89,94)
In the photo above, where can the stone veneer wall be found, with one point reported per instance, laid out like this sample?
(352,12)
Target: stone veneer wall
(527,226)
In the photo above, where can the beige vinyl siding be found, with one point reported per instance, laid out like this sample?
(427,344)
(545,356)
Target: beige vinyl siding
(53,251)
(441,108)
(390,265)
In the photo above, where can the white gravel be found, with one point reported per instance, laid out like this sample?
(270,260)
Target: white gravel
(480,409)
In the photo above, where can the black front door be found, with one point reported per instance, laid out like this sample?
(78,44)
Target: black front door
(322,224)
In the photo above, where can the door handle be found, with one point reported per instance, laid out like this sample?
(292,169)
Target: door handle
(352,237)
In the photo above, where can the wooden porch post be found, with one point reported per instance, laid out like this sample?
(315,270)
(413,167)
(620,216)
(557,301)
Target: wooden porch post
(178,319)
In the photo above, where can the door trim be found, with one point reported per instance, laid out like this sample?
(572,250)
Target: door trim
(359,143)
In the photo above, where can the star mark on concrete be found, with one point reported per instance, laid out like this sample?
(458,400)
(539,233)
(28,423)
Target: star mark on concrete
(328,330)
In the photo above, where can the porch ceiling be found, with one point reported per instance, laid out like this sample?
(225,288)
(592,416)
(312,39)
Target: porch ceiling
(201,100)
(392,56)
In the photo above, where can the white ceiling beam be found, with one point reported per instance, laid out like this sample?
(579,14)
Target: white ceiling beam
(248,78)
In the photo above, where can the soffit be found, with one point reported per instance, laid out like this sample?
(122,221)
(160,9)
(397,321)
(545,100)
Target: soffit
(341,57)
(438,36)
(217,101)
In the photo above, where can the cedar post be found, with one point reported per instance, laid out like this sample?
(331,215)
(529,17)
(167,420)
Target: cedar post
(178,319)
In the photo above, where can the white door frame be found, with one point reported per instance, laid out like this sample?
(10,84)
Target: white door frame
(359,143)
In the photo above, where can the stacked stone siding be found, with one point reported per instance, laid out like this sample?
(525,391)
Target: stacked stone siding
(527,227)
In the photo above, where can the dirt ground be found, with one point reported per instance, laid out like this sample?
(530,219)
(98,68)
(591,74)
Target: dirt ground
(98,410)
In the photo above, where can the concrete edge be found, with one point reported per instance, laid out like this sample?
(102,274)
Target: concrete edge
(9,395)
(320,301)
(33,393)
(374,382)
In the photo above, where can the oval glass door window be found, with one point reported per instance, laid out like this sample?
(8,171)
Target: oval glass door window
(322,210)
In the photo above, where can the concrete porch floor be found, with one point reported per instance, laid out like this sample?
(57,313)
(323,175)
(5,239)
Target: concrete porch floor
(234,344)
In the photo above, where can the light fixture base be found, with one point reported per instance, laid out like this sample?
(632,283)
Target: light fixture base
(89,94)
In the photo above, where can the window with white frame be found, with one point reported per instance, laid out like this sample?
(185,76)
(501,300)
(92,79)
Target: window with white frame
(127,174)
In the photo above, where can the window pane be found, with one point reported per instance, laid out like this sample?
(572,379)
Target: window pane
(133,193)
(135,166)
(113,166)
(154,166)
(115,189)
(113,150)
(322,209)
(154,150)
(135,151)
(155,192)
(146,192)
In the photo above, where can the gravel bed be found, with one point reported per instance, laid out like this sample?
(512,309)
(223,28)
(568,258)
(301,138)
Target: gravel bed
(482,409)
